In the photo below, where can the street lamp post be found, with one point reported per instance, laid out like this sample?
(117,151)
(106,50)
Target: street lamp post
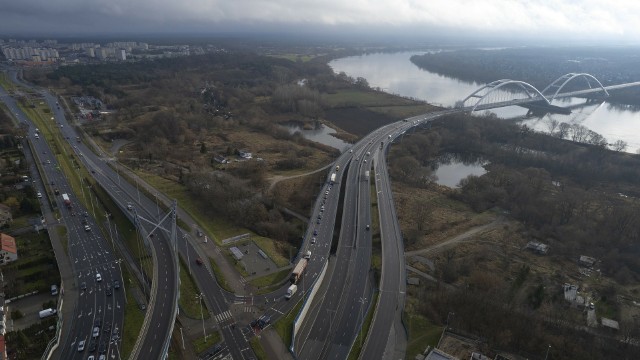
(361,301)
(124,287)
(199,297)
(157,207)
(547,355)
(449,314)
(187,250)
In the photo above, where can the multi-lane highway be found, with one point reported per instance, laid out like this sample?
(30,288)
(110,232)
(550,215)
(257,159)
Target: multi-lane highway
(158,325)
(96,272)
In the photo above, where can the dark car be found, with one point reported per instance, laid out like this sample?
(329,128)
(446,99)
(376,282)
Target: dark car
(103,348)
(83,286)
(109,291)
(198,261)
(315,232)
(92,346)
(116,284)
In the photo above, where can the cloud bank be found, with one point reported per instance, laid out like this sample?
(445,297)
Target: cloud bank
(614,19)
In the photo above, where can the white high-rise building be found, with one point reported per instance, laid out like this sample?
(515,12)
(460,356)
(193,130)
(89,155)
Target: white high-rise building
(121,55)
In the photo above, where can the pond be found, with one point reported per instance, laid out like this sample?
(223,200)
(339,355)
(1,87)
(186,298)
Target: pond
(449,169)
(321,134)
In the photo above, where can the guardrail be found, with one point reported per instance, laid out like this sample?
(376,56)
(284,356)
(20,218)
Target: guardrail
(305,307)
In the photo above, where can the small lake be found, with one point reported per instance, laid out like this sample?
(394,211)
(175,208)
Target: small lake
(450,169)
(321,134)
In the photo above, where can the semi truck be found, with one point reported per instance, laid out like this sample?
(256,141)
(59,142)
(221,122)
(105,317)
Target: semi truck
(298,270)
(47,312)
(67,201)
(333,178)
(290,291)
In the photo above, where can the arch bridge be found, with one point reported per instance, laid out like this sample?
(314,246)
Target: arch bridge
(507,92)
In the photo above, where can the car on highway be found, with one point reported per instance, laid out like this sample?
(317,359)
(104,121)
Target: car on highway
(198,261)
(87,228)
(109,291)
(129,207)
(315,232)
(116,284)
(367,226)
(318,221)
(313,240)
(83,286)
(102,357)
(39,195)
(81,346)
(98,277)
(96,332)
(91,357)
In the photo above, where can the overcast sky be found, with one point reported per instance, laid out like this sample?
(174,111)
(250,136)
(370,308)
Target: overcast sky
(614,20)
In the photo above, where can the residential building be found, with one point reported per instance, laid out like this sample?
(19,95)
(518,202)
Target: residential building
(587,261)
(9,250)
(5,215)
(245,154)
(121,54)
(538,247)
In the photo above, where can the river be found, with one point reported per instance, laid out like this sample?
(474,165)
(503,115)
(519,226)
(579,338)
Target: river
(396,74)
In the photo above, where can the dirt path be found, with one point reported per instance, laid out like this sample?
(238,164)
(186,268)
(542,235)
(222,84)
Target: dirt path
(458,238)
(277,178)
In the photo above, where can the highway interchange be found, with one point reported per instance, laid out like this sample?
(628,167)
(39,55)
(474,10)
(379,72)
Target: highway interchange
(335,315)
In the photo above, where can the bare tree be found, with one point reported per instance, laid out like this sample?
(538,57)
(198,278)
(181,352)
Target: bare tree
(552,125)
(619,146)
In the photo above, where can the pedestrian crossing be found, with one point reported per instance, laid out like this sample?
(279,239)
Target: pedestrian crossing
(224,317)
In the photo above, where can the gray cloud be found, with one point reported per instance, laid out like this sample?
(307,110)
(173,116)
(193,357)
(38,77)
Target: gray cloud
(586,19)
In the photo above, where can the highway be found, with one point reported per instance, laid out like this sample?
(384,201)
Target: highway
(159,321)
(335,317)
(91,254)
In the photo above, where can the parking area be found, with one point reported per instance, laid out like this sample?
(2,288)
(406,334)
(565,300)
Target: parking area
(255,261)
(29,306)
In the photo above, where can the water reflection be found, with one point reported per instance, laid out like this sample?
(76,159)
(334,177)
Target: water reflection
(451,168)
(396,74)
(321,134)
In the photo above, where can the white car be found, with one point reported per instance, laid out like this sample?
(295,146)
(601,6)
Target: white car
(87,228)
(98,277)
(39,195)
(81,346)
(96,332)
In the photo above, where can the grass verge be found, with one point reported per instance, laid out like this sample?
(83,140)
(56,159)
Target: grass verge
(263,283)
(257,348)
(134,319)
(219,276)
(362,335)
(200,345)
(284,326)
(268,246)
(189,304)
(421,333)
